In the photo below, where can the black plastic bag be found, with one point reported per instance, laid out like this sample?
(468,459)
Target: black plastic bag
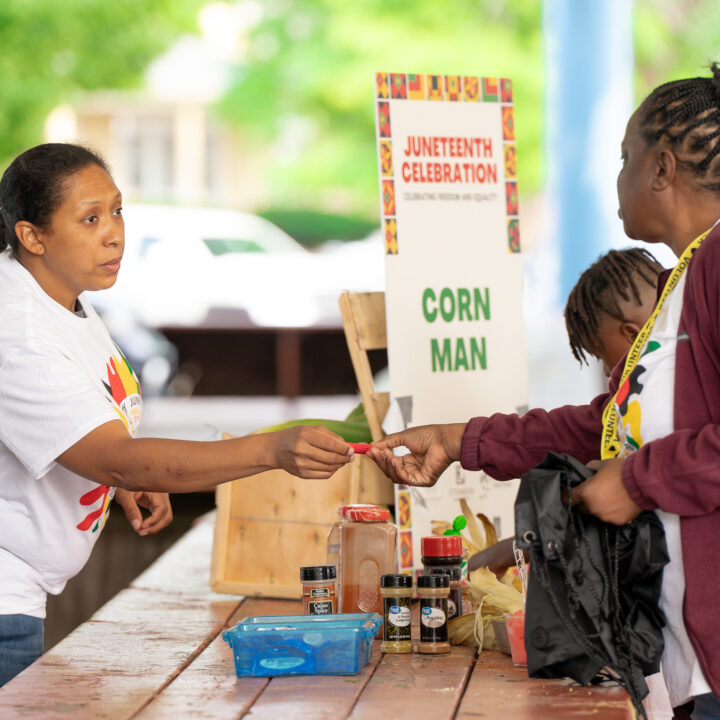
(592,609)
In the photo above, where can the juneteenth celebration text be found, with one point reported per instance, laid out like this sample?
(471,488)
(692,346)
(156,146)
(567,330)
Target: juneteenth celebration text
(476,165)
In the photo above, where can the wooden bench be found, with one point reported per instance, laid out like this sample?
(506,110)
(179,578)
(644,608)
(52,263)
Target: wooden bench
(155,651)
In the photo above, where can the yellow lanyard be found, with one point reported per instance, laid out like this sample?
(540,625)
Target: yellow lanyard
(610,440)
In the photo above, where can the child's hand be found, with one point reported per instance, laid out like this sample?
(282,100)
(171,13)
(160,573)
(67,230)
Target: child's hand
(498,557)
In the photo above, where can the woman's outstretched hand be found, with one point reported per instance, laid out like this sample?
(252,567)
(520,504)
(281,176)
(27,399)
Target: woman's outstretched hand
(432,448)
(310,451)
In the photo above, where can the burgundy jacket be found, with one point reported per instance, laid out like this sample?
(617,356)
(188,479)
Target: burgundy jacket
(679,473)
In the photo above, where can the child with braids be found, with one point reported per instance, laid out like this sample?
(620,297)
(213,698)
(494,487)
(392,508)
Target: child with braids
(655,443)
(609,305)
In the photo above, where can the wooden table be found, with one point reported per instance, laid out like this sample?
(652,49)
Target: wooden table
(155,651)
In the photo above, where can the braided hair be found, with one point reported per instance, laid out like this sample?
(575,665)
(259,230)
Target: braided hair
(686,113)
(611,277)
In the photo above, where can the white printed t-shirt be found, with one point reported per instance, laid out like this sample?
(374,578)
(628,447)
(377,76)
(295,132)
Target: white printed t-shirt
(647,415)
(61,376)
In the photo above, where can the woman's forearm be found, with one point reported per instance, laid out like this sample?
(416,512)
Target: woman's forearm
(108,455)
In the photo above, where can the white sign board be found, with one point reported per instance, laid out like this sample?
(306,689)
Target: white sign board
(456,349)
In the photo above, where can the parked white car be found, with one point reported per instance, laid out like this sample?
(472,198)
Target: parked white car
(224,268)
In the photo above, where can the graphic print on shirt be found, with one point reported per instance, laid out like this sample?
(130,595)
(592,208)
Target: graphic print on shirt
(96,519)
(123,387)
(629,412)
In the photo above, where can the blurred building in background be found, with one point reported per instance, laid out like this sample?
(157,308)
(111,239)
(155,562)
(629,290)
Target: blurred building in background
(164,142)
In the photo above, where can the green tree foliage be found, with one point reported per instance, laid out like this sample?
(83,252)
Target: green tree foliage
(674,39)
(308,86)
(51,49)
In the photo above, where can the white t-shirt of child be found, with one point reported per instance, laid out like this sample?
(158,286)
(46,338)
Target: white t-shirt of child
(61,376)
(649,415)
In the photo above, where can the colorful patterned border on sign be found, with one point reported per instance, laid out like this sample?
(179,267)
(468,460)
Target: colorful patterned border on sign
(398,86)
(403,509)
(511,198)
(513,235)
(452,87)
(506,92)
(508,122)
(391,240)
(406,550)
(510,161)
(388,197)
(386,158)
(471,89)
(434,87)
(384,119)
(490,89)
(416,87)
(381,85)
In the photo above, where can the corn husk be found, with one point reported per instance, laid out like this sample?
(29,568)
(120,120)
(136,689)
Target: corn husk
(489,529)
(476,534)
(491,599)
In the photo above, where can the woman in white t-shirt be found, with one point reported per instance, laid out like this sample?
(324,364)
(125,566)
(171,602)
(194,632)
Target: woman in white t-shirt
(70,403)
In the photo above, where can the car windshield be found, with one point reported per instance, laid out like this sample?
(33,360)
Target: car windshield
(236,245)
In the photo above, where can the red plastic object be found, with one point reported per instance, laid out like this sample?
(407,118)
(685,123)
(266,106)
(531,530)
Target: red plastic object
(367,514)
(360,448)
(515,623)
(441,546)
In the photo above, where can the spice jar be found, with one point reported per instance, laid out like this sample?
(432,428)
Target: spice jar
(396,591)
(318,589)
(333,544)
(367,551)
(433,591)
(443,556)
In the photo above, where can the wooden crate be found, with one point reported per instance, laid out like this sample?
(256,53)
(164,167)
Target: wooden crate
(269,525)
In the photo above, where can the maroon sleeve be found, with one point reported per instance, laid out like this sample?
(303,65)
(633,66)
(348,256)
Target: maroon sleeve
(506,446)
(679,473)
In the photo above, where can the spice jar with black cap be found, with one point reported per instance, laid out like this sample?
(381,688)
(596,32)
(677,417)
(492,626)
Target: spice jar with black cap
(319,596)
(433,591)
(396,591)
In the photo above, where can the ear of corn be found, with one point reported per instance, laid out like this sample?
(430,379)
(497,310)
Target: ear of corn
(490,599)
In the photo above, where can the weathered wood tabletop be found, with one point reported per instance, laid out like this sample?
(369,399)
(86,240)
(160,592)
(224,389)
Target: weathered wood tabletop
(155,651)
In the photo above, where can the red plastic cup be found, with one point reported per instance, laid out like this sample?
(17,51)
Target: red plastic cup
(515,623)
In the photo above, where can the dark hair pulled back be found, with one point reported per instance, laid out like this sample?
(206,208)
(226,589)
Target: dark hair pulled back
(34,185)
(686,113)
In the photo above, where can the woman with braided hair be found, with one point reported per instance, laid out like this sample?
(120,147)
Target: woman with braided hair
(654,437)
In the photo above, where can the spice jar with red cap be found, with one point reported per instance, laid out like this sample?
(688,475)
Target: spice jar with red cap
(442,555)
(368,546)
(333,543)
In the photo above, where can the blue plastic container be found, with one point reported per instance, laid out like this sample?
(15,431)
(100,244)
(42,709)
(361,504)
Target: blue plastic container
(303,644)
